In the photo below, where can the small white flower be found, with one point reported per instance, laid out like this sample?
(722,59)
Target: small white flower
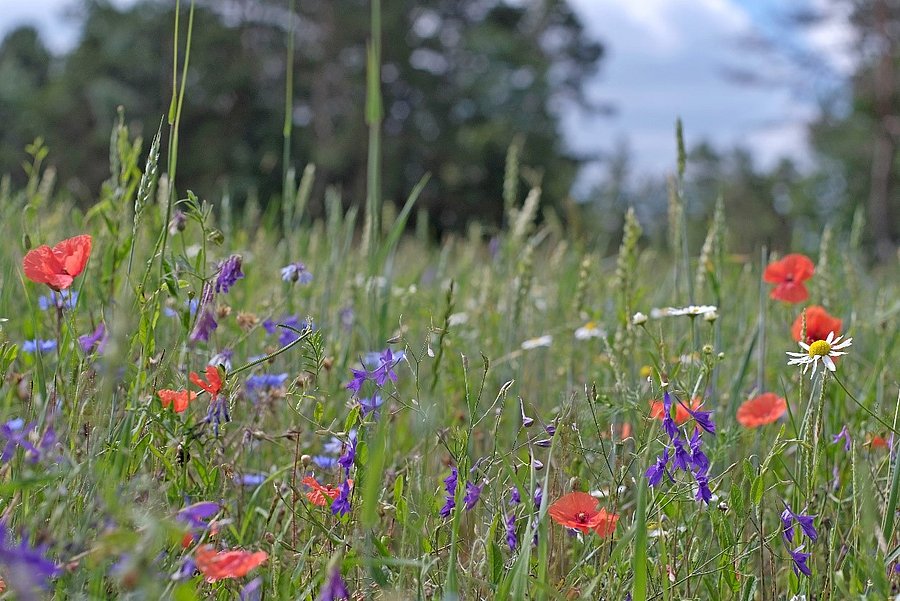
(532,343)
(457,319)
(589,330)
(691,310)
(638,319)
(820,349)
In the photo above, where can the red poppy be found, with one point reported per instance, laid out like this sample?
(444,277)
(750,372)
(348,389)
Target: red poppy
(789,275)
(818,325)
(213,383)
(657,410)
(318,493)
(179,399)
(761,410)
(58,266)
(578,510)
(878,442)
(227,564)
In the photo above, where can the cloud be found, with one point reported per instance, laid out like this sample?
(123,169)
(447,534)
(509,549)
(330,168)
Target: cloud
(665,59)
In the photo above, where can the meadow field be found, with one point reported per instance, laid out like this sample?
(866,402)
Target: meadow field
(206,401)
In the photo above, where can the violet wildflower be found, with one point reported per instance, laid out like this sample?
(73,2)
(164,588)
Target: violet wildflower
(206,322)
(25,568)
(527,422)
(703,492)
(186,569)
(346,460)
(36,344)
(788,518)
(16,434)
(544,443)
(334,588)
(257,386)
(251,591)
(296,272)
(450,483)
(198,514)
(473,493)
(229,273)
(222,358)
(96,339)
(799,558)
(703,419)
(386,371)
(356,383)
(668,423)
(511,540)
(845,434)
(371,405)
(538,496)
(341,505)
(655,472)
(289,323)
(251,479)
(682,457)
(698,457)
(325,462)
(64,299)
(217,413)
(178,222)
(550,429)
(514,497)
(333,446)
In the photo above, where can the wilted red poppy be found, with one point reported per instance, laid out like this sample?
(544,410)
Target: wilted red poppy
(179,399)
(789,274)
(818,325)
(58,266)
(227,564)
(657,410)
(761,410)
(578,510)
(878,442)
(213,383)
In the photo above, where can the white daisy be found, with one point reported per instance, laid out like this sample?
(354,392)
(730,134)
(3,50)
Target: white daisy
(589,330)
(692,310)
(638,319)
(540,341)
(820,349)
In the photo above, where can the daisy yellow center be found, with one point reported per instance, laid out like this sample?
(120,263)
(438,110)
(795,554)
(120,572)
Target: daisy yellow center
(820,348)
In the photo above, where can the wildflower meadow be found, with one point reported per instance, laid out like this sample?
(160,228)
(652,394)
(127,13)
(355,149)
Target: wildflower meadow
(208,402)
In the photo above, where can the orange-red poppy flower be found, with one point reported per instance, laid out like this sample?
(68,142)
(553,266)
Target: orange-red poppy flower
(213,383)
(179,399)
(318,493)
(227,564)
(878,442)
(578,510)
(789,274)
(58,266)
(761,410)
(818,325)
(657,410)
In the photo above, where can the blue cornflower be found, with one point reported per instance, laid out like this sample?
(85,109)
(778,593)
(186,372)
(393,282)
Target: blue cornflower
(286,335)
(655,472)
(229,273)
(473,493)
(97,339)
(259,384)
(334,588)
(845,434)
(450,483)
(64,299)
(371,405)
(251,479)
(324,461)
(346,460)
(511,539)
(36,344)
(296,272)
(25,568)
(341,505)
(799,558)
(788,518)
(222,358)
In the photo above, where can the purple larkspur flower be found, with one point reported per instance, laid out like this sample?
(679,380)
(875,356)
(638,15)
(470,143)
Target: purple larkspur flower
(845,435)
(788,518)
(229,273)
(703,419)
(25,569)
(514,497)
(450,483)
(371,405)
(217,413)
(64,299)
(703,492)
(544,443)
(356,383)
(17,434)
(341,505)
(682,458)
(473,493)
(96,339)
(296,272)
(252,591)
(655,472)
(206,321)
(511,540)
(538,496)
(799,558)
(698,457)
(186,569)
(334,588)
(669,424)
(36,344)
(197,515)
(386,371)
(346,460)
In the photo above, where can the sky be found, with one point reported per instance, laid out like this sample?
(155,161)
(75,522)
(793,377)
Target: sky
(664,59)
